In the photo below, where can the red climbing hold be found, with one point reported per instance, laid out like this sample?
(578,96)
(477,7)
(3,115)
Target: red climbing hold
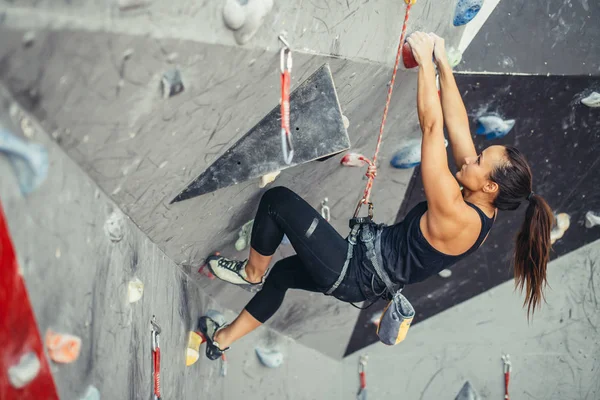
(408,57)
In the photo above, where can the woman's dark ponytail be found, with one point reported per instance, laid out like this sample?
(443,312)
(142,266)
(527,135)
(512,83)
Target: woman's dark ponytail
(533,244)
(532,252)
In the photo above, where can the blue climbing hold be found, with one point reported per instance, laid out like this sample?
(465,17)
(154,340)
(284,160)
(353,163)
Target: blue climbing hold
(409,155)
(29,161)
(465,11)
(493,126)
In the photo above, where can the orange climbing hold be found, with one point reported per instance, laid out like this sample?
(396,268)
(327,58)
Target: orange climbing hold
(62,347)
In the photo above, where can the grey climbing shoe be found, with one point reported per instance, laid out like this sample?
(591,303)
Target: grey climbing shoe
(208,327)
(231,271)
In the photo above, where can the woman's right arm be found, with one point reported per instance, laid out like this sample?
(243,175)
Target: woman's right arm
(455,113)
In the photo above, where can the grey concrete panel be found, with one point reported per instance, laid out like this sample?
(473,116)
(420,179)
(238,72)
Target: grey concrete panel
(353,29)
(77,280)
(556,37)
(556,356)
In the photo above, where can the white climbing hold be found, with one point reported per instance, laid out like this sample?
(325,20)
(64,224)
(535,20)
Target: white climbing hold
(353,160)
(28,38)
(244,236)
(592,219)
(114,227)
(269,358)
(563,221)
(593,100)
(245,17)
(135,290)
(376,318)
(25,371)
(268,178)
(346,121)
(454,56)
(493,126)
(92,393)
(445,273)
(234,14)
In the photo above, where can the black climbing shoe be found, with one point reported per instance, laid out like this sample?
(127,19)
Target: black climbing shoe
(208,327)
(231,271)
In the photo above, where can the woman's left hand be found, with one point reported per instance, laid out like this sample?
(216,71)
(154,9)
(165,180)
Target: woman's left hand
(422,45)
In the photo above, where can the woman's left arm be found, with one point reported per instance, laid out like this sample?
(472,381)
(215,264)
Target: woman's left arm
(441,188)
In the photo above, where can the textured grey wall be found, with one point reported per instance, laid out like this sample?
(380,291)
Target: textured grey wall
(77,281)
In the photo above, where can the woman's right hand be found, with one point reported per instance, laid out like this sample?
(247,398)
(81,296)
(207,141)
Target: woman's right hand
(422,46)
(439,49)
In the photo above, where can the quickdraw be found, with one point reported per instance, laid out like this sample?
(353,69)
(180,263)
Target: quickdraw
(155,357)
(286,69)
(507,368)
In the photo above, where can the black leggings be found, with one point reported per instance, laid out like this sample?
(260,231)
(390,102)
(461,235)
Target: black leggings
(320,252)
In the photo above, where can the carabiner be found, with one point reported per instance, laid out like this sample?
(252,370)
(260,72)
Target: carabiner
(325,211)
(286,146)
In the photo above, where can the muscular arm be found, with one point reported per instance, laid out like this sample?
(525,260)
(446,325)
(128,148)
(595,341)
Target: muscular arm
(455,116)
(441,189)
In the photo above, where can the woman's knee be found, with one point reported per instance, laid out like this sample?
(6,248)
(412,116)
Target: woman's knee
(278,194)
(279,277)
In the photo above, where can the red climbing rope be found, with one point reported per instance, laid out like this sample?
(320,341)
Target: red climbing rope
(286,69)
(372,170)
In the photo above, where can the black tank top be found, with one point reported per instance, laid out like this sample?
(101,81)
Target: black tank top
(407,255)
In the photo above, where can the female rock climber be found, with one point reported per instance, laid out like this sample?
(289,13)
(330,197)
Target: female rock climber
(437,233)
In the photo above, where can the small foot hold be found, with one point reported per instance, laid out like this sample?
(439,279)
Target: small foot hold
(195,339)
(62,348)
(562,223)
(269,358)
(24,371)
(592,219)
(353,160)
(493,126)
(592,101)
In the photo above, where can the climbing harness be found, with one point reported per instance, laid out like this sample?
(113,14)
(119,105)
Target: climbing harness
(286,69)
(507,368)
(155,357)
(366,199)
(399,313)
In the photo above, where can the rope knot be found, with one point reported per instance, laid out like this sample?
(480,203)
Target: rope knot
(371,171)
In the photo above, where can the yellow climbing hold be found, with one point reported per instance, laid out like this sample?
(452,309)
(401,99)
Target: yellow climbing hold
(193,348)
(411,2)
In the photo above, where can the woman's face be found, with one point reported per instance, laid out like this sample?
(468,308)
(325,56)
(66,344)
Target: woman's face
(475,172)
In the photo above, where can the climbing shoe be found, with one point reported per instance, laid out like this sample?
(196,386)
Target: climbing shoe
(208,327)
(231,271)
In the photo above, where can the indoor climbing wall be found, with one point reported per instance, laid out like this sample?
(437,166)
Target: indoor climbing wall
(161,123)
(108,94)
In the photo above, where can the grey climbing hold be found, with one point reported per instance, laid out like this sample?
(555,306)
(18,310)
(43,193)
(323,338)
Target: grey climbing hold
(245,17)
(171,83)
(91,393)
(269,358)
(114,227)
(454,56)
(25,371)
(29,161)
(244,236)
(28,38)
(467,392)
(592,101)
(592,219)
